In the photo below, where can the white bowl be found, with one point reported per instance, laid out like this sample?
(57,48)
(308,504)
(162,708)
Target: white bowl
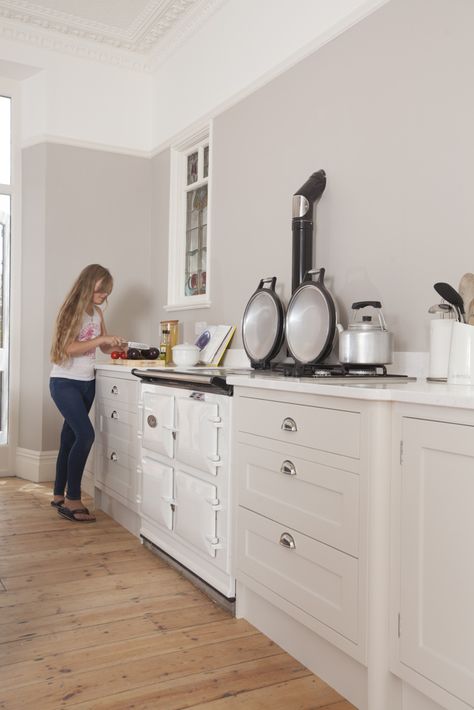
(185,354)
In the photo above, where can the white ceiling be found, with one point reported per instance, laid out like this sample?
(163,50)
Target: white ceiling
(134,32)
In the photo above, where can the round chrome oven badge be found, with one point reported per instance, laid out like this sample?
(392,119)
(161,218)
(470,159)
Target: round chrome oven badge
(151,421)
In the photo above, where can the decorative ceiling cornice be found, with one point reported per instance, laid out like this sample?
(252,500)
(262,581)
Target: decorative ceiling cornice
(151,36)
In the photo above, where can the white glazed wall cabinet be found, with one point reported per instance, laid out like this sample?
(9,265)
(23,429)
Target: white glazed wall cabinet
(184,479)
(301,535)
(433,568)
(116,448)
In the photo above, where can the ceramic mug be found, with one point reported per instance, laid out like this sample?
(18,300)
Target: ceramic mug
(192,284)
(461,355)
(196,283)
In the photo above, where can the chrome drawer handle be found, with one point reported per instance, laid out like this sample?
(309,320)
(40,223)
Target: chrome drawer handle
(288,467)
(114,390)
(286,540)
(151,421)
(113,456)
(289,424)
(114,415)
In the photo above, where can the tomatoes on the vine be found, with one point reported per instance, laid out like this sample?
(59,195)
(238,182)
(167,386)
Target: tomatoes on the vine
(115,355)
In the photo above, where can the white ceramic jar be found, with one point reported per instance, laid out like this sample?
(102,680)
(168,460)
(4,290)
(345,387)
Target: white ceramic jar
(186,355)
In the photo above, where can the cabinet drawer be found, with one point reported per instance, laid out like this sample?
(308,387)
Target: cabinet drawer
(333,430)
(117,472)
(115,420)
(118,390)
(313,498)
(129,447)
(312,577)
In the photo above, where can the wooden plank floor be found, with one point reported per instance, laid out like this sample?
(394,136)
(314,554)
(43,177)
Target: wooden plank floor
(92,620)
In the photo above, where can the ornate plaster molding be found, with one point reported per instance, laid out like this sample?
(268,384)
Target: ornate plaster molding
(153,35)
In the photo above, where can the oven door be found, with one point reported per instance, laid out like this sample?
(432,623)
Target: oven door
(157,502)
(196,510)
(158,423)
(197,432)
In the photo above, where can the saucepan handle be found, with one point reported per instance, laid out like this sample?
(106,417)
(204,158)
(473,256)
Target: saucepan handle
(313,272)
(271,280)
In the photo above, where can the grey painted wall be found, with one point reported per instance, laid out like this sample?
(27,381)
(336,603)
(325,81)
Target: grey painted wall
(387,109)
(79,206)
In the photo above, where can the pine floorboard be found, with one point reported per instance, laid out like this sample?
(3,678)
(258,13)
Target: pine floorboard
(92,620)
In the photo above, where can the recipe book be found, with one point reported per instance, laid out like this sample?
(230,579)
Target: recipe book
(213,343)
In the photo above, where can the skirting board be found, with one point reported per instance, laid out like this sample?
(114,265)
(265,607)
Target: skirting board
(36,466)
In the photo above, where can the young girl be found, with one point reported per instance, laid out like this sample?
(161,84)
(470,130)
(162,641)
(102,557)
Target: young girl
(80,329)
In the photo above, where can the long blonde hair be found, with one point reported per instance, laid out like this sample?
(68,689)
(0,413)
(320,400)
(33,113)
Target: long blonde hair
(71,313)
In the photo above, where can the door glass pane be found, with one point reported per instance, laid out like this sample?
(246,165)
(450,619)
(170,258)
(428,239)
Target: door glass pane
(5,141)
(4,241)
(192,168)
(196,242)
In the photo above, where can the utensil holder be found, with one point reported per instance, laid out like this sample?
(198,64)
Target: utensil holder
(440,345)
(461,355)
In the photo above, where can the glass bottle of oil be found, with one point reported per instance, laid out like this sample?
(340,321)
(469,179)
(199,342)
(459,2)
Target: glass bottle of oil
(165,346)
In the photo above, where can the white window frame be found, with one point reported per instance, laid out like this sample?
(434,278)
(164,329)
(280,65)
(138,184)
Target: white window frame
(11,350)
(177,300)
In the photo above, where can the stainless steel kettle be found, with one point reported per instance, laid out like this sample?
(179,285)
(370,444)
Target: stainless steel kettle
(366,342)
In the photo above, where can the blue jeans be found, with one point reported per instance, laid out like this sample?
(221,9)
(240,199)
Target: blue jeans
(74,399)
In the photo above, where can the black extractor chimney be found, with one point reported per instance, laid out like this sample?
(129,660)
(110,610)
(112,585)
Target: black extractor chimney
(302,226)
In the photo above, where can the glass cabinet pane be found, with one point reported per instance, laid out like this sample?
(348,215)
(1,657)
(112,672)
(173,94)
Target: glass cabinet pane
(196,242)
(5,147)
(192,168)
(206,162)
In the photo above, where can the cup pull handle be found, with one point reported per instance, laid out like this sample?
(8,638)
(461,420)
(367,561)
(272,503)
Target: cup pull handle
(114,390)
(114,415)
(286,540)
(288,467)
(113,456)
(289,424)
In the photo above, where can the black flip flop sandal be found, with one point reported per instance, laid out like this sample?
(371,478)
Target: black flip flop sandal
(72,514)
(57,503)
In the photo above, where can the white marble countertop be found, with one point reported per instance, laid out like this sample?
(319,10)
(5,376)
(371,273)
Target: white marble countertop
(414,391)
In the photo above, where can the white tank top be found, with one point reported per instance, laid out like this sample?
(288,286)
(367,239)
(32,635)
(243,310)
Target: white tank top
(81,367)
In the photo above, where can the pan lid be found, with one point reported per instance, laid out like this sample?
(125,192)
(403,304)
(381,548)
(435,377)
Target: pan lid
(262,324)
(311,321)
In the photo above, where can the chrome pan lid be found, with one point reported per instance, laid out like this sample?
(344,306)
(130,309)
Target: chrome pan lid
(263,325)
(311,320)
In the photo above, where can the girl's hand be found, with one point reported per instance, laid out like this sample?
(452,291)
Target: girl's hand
(112,342)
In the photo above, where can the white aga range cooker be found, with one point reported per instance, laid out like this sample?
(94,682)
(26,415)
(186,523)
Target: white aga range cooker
(184,492)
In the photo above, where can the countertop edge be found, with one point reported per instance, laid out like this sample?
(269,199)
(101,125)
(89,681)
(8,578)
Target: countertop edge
(415,392)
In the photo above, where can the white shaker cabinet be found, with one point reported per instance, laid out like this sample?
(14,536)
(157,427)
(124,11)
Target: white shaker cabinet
(116,446)
(301,465)
(433,559)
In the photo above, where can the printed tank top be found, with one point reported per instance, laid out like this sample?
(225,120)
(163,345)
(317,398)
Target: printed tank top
(81,367)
